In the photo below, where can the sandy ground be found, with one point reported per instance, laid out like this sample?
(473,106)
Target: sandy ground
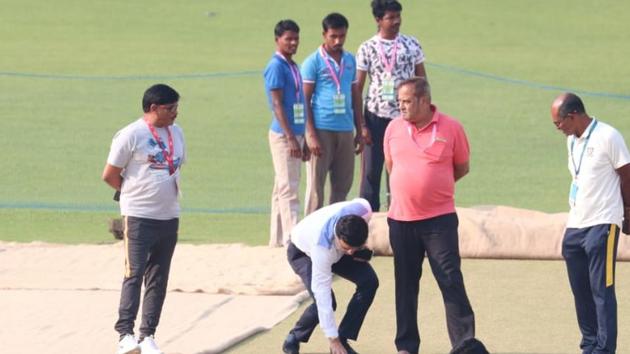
(64,299)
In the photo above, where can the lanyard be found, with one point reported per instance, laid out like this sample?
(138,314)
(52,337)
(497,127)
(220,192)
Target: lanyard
(579,166)
(333,74)
(295,72)
(167,156)
(433,135)
(389,65)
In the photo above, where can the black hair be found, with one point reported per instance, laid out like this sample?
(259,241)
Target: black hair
(352,229)
(571,104)
(334,20)
(158,94)
(380,7)
(284,26)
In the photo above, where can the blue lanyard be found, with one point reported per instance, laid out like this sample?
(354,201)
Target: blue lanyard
(579,166)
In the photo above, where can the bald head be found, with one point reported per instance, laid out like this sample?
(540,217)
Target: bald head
(568,114)
(565,104)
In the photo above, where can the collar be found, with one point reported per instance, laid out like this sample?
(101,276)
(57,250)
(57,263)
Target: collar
(380,38)
(586,131)
(434,120)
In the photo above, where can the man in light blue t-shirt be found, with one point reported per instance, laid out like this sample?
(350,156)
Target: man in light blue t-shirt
(283,85)
(333,111)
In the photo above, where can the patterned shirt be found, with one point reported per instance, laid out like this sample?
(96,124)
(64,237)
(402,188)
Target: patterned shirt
(408,54)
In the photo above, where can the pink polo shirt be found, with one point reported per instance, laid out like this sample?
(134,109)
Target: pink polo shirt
(422,181)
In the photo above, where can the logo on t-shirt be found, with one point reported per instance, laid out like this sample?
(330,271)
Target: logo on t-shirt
(156,156)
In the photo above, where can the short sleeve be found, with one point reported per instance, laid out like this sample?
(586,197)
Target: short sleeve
(386,136)
(183,142)
(121,149)
(617,150)
(309,69)
(354,65)
(274,76)
(461,148)
(418,52)
(363,57)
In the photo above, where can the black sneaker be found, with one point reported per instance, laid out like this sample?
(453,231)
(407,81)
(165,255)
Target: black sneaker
(470,346)
(291,345)
(347,346)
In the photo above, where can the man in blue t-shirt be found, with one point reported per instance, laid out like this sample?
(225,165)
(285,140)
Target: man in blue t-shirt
(283,85)
(333,111)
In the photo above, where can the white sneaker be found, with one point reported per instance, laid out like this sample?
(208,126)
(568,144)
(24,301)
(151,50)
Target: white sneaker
(128,345)
(148,346)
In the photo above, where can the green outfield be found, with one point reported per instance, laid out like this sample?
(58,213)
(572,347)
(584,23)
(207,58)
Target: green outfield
(73,72)
(521,307)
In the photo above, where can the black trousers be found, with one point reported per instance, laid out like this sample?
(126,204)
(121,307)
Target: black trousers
(439,239)
(590,255)
(372,161)
(360,273)
(149,247)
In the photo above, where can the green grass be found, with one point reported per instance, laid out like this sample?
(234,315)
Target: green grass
(521,307)
(57,130)
(71,227)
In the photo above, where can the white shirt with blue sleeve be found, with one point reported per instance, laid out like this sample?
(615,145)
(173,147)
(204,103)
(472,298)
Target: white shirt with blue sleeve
(315,236)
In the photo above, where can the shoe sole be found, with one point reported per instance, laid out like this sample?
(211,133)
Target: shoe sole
(133,351)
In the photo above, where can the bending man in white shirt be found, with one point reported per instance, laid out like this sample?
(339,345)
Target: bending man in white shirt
(332,240)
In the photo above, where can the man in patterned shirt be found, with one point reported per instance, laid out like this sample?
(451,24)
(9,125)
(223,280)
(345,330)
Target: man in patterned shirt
(388,58)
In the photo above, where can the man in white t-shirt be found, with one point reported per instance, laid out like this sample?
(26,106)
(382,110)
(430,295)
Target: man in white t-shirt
(143,165)
(330,241)
(388,58)
(599,197)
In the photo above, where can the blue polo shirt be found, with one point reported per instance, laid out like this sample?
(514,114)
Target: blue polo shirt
(315,70)
(278,76)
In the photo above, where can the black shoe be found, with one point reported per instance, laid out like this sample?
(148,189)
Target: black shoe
(347,346)
(470,346)
(291,345)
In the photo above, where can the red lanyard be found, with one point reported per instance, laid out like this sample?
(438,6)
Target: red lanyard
(295,72)
(389,65)
(333,74)
(167,156)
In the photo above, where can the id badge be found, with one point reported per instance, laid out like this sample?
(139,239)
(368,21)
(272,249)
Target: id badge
(339,103)
(573,193)
(298,113)
(387,92)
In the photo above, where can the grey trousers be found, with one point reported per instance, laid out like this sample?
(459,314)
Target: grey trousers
(338,159)
(149,246)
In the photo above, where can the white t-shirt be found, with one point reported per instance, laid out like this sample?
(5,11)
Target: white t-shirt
(314,235)
(598,198)
(408,54)
(148,190)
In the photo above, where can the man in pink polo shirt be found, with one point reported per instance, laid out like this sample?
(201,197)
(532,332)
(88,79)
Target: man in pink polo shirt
(425,153)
